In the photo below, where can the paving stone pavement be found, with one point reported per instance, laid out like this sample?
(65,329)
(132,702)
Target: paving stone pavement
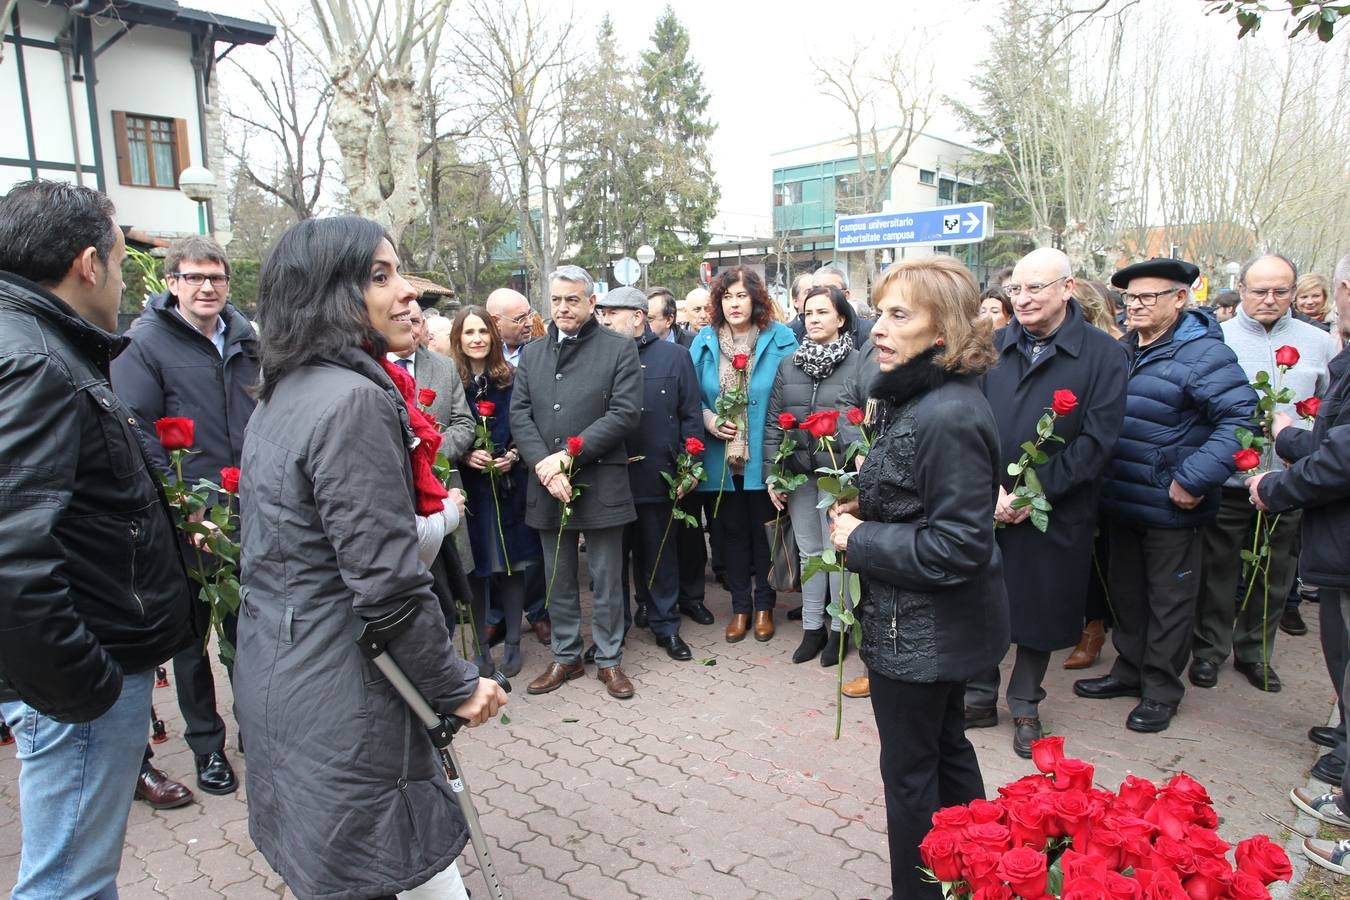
(724,780)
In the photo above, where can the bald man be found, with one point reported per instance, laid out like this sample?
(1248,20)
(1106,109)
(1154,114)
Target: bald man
(698,308)
(437,330)
(1049,347)
(511,312)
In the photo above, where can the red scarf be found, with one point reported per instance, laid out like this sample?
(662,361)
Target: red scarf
(430,491)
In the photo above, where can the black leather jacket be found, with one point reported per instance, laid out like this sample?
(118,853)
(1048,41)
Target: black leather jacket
(91,581)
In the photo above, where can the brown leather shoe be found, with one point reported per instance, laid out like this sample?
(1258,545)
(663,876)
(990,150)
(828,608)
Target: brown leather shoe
(737,627)
(1089,646)
(543,629)
(763,624)
(161,791)
(858,688)
(554,677)
(616,682)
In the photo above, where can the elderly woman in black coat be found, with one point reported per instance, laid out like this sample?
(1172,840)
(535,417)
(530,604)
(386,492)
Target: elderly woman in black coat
(921,535)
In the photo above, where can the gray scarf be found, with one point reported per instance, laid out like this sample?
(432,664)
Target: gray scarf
(818,361)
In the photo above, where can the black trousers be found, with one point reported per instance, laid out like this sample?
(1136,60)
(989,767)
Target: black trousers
(203,728)
(1155,581)
(1335,636)
(642,551)
(742,517)
(926,763)
(692,548)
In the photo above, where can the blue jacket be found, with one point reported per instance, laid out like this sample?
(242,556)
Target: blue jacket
(1187,397)
(775,343)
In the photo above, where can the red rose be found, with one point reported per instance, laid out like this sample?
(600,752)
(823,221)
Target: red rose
(740,361)
(574,445)
(940,852)
(787,421)
(1247,886)
(486,408)
(1025,870)
(1265,861)
(953,817)
(1064,402)
(1046,752)
(1308,408)
(1286,357)
(984,811)
(1027,823)
(1074,812)
(1211,879)
(175,433)
(1184,787)
(993,892)
(1073,773)
(855,416)
(693,446)
(1165,885)
(1169,853)
(1026,786)
(1087,888)
(1206,842)
(979,865)
(229,480)
(426,397)
(1122,887)
(1107,844)
(1136,795)
(1081,865)
(990,835)
(1247,459)
(821,424)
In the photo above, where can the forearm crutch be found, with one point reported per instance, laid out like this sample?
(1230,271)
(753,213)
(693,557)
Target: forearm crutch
(373,640)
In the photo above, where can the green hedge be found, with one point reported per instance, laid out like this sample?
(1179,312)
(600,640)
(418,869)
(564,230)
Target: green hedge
(243,286)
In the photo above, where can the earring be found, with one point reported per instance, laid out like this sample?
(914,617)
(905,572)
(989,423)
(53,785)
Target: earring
(939,343)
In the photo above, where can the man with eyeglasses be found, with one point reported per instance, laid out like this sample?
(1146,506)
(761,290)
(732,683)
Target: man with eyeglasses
(1262,323)
(1049,346)
(192,355)
(1186,399)
(579,380)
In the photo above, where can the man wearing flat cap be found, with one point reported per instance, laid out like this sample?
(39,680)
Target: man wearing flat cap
(1186,399)
(672,412)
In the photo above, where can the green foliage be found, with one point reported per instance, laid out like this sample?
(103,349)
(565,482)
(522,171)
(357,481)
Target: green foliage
(244,285)
(1318,17)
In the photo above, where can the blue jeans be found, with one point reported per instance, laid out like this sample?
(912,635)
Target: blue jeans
(76,784)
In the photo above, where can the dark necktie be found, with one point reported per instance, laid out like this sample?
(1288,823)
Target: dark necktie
(406,364)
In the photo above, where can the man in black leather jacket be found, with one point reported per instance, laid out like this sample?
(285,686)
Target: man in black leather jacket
(93,593)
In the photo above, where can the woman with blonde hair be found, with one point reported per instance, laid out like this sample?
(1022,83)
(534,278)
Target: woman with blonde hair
(1312,299)
(921,535)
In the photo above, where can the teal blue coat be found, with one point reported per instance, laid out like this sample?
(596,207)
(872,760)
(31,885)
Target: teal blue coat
(775,343)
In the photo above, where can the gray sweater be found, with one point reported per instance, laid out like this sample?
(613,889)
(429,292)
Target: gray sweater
(1255,348)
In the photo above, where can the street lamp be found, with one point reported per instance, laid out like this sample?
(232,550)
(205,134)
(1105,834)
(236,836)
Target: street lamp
(645,256)
(198,185)
(1232,270)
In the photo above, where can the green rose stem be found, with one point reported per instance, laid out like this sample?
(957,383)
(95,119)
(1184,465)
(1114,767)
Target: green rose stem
(496,505)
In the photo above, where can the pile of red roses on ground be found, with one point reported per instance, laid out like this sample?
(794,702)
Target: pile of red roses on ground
(1054,835)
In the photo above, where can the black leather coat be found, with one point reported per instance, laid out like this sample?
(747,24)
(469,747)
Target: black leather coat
(91,581)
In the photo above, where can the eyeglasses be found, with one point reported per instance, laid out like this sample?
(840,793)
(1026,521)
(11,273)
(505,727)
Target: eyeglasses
(517,320)
(1012,290)
(1147,299)
(1280,293)
(196,279)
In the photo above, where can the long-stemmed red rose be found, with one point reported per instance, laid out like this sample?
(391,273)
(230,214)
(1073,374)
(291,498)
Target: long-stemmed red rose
(482,440)
(688,473)
(730,406)
(575,444)
(1027,490)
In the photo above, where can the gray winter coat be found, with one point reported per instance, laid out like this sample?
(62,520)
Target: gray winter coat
(798,393)
(347,797)
(589,387)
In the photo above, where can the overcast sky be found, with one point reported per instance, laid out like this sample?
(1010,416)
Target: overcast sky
(757,65)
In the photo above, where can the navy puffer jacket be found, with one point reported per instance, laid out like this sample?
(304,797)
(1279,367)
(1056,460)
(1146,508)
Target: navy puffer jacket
(1187,397)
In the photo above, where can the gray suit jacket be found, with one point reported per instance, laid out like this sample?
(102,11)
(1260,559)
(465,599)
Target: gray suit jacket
(451,409)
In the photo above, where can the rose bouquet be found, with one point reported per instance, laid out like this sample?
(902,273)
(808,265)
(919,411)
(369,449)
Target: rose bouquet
(209,526)
(1054,835)
(730,406)
(688,473)
(568,468)
(1027,484)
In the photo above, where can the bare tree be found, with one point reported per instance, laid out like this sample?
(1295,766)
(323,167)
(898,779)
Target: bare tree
(373,50)
(522,70)
(287,110)
(888,107)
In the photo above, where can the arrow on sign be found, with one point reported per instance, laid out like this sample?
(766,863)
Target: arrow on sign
(972,222)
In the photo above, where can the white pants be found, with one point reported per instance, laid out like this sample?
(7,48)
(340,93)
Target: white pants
(447,885)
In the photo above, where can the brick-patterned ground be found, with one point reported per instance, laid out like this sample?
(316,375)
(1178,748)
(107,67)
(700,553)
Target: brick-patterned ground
(724,781)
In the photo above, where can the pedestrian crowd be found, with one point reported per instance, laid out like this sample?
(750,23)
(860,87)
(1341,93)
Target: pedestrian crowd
(944,473)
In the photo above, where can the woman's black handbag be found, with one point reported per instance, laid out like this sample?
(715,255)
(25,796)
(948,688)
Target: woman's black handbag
(785,564)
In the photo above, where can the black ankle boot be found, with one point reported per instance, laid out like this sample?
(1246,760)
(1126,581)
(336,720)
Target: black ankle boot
(830,655)
(812,640)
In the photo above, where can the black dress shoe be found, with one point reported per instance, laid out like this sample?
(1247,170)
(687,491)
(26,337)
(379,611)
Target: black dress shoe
(640,615)
(1322,736)
(589,655)
(1204,673)
(1328,768)
(981,716)
(794,614)
(698,612)
(1261,676)
(1104,688)
(1292,622)
(1028,729)
(1150,716)
(675,647)
(214,774)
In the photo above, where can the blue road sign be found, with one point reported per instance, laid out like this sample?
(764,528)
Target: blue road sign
(967,223)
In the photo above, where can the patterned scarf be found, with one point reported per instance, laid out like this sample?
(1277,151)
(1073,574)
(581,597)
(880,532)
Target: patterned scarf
(429,491)
(818,361)
(738,449)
